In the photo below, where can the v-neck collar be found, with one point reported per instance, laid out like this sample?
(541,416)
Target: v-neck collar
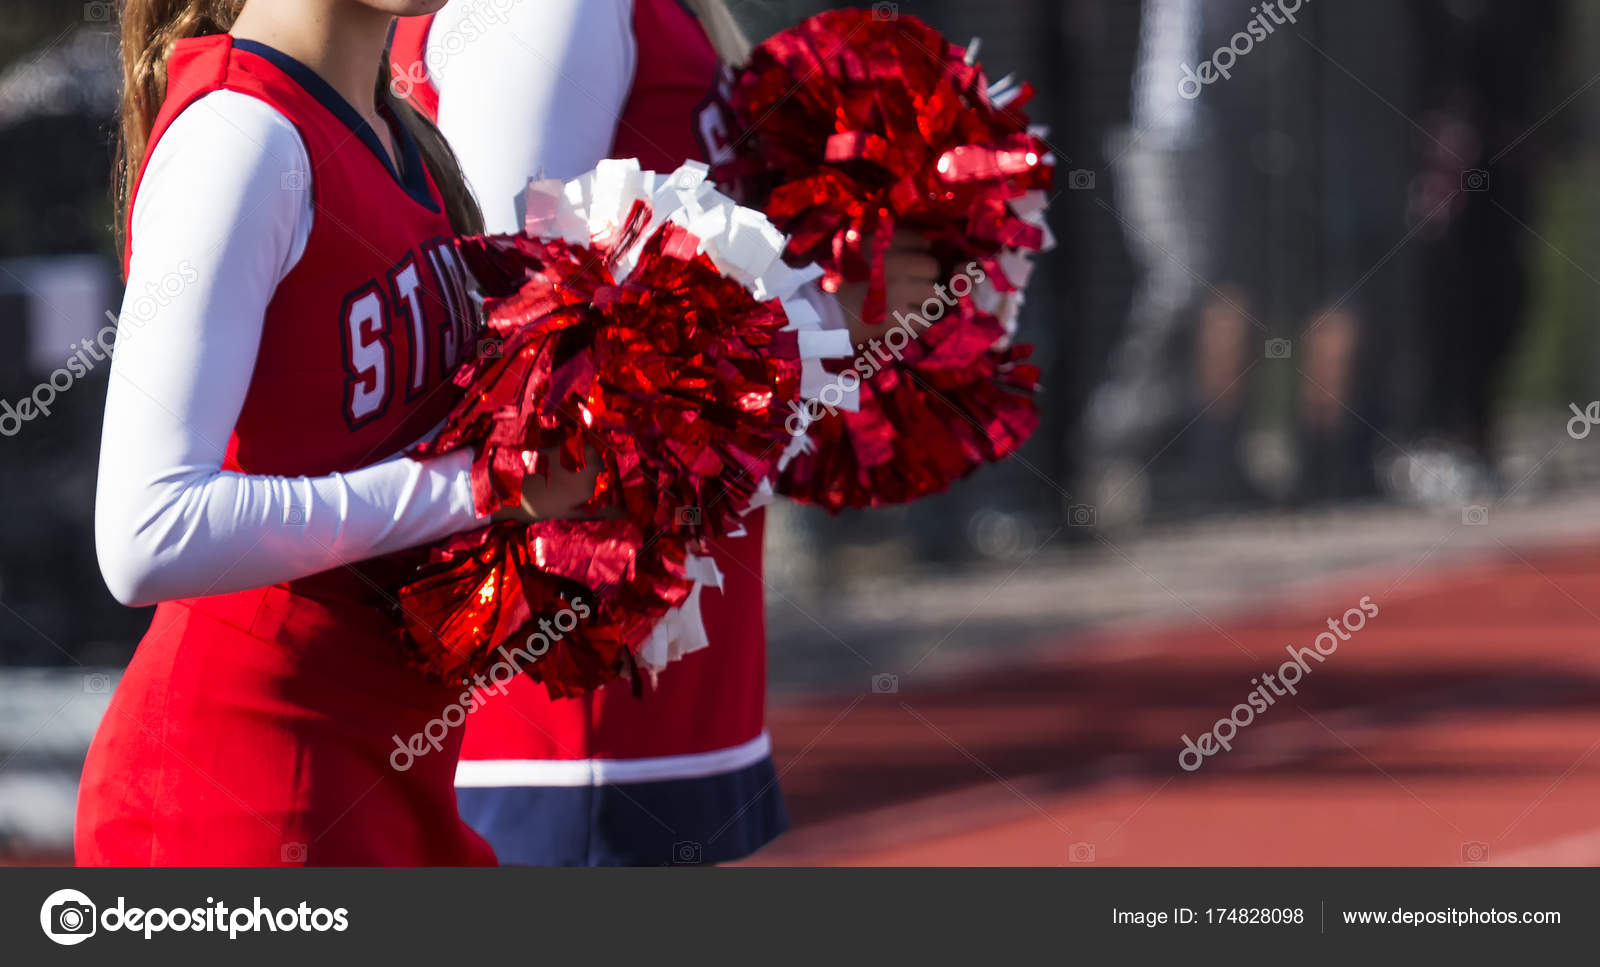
(414,180)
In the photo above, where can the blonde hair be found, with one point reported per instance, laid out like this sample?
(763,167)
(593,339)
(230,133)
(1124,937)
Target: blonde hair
(733,46)
(150,28)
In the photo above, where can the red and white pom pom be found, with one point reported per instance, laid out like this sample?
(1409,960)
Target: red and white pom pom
(866,125)
(1015,261)
(647,319)
(745,246)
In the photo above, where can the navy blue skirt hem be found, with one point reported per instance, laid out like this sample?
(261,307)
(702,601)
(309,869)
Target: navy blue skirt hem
(676,822)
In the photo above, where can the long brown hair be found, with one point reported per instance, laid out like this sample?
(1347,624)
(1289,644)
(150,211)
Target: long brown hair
(149,30)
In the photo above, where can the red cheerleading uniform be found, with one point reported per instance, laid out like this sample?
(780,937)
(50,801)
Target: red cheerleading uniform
(257,728)
(683,775)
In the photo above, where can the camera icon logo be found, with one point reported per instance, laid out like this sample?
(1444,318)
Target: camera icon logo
(1475,516)
(688,517)
(97,684)
(1082,515)
(491,348)
(1475,179)
(294,181)
(1080,179)
(294,515)
(68,917)
(293,853)
(1279,349)
(1474,852)
(1081,853)
(886,684)
(98,11)
(886,11)
(687,853)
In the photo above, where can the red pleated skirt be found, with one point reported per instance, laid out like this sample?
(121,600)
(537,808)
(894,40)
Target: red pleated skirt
(262,729)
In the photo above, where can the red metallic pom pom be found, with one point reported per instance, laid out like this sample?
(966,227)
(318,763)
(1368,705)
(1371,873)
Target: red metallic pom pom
(866,124)
(640,350)
(500,595)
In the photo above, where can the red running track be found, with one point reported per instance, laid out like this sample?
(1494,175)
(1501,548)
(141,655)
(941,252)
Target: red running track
(1462,724)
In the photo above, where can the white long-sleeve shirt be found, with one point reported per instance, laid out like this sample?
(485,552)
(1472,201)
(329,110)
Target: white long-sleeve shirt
(530,89)
(214,234)
(536,89)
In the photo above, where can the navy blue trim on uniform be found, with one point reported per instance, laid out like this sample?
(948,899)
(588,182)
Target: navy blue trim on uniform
(675,822)
(415,178)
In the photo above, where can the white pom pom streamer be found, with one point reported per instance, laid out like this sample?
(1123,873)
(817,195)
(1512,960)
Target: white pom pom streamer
(1017,264)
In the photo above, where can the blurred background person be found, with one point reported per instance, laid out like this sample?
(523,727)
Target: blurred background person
(1164,166)
(1483,143)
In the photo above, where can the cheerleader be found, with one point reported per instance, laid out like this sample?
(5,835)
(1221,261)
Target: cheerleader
(549,88)
(292,224)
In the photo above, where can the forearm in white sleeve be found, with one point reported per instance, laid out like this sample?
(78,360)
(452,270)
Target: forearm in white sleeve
(530,89)
(216,227)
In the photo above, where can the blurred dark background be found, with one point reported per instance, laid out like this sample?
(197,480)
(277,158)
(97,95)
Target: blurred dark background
(59,83)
